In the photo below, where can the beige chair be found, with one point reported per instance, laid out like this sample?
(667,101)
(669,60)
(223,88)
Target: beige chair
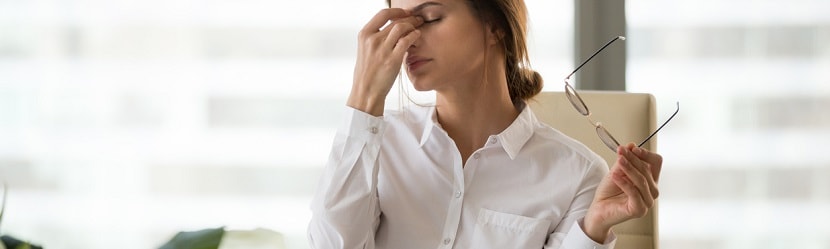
(630,117)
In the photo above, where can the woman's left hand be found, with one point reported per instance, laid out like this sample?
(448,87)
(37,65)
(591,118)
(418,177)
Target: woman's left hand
(627,192)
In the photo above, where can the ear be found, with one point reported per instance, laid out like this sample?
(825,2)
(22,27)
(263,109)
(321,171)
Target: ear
(494,35)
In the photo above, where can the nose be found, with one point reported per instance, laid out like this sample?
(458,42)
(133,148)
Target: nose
(415,45)
(419,22)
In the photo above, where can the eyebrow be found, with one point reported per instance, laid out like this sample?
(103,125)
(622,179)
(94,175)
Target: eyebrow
(424,5)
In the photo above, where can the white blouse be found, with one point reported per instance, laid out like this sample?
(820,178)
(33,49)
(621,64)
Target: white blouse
(398,181)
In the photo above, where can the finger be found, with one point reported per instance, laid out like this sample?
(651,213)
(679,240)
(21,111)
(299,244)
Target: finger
(643,166)
(636,205)
(397,30)
(415,21)
(623,148)
(381,18)
(654,160)
(404,44)
(645,170)
(637,178)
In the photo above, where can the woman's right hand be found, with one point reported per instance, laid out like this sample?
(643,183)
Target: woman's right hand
(380,54)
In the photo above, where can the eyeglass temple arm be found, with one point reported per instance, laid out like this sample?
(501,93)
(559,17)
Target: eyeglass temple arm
(595,54)
(661,126)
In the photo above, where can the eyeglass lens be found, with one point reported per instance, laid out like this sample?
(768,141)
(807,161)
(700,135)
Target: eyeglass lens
(606,137)
(576,101)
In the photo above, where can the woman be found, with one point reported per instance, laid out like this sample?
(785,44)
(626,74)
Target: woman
(476,170)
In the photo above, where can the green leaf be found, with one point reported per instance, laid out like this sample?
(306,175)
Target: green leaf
(202,239)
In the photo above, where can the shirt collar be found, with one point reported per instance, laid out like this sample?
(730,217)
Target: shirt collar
(511,139)
(430,120)
(518,133)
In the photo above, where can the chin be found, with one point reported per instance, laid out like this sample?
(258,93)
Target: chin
(420,88)
(419,83)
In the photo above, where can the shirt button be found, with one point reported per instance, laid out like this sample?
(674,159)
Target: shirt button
(493,140)
(457,194)
(373,130)
(447,241)
(476,155)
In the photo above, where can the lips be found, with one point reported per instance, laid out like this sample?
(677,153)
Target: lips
(414,62)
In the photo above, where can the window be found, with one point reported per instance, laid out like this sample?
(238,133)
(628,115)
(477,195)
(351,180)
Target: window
(745,165)
(124,122)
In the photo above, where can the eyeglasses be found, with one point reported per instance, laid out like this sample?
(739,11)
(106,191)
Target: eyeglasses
(580,106)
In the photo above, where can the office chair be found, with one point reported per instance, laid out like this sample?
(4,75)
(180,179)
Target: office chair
(630,117)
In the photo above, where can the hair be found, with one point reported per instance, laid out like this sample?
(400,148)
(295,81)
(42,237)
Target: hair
(508,18)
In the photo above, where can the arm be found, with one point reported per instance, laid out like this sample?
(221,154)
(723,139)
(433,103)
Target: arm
(570,233)
(345,208)
(628,192)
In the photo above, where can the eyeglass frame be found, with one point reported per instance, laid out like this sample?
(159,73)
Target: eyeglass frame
(582,108)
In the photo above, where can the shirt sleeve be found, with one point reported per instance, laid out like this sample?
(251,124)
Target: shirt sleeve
(577,238)
(569,234)
(345,209)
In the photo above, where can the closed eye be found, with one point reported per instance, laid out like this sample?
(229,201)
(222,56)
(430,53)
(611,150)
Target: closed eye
(431,21)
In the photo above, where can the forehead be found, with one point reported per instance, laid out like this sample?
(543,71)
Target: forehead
(411,4)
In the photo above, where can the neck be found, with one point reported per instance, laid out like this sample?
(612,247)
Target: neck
(472,111)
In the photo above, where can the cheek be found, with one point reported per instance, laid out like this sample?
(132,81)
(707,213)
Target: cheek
(453,41)
(461,47)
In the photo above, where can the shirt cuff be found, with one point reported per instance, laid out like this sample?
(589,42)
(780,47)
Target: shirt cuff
(362,126)
(577,238)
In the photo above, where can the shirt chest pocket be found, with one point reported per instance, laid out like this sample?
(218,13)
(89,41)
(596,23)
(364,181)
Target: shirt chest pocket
(502,230)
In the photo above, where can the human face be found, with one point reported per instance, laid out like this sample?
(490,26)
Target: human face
(451,47)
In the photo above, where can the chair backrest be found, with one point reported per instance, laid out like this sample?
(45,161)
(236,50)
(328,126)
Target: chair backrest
(630,117)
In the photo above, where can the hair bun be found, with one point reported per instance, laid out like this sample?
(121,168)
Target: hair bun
(525,85)
(535,83)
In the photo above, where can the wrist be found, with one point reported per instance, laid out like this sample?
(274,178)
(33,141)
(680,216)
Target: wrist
(595,229)
(373,105)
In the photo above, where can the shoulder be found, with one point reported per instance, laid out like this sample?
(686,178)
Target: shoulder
(407,113)
(561,145)
(410,115)
(408,120)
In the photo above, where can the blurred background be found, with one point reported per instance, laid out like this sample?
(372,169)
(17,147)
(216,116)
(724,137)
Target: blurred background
(123,122)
